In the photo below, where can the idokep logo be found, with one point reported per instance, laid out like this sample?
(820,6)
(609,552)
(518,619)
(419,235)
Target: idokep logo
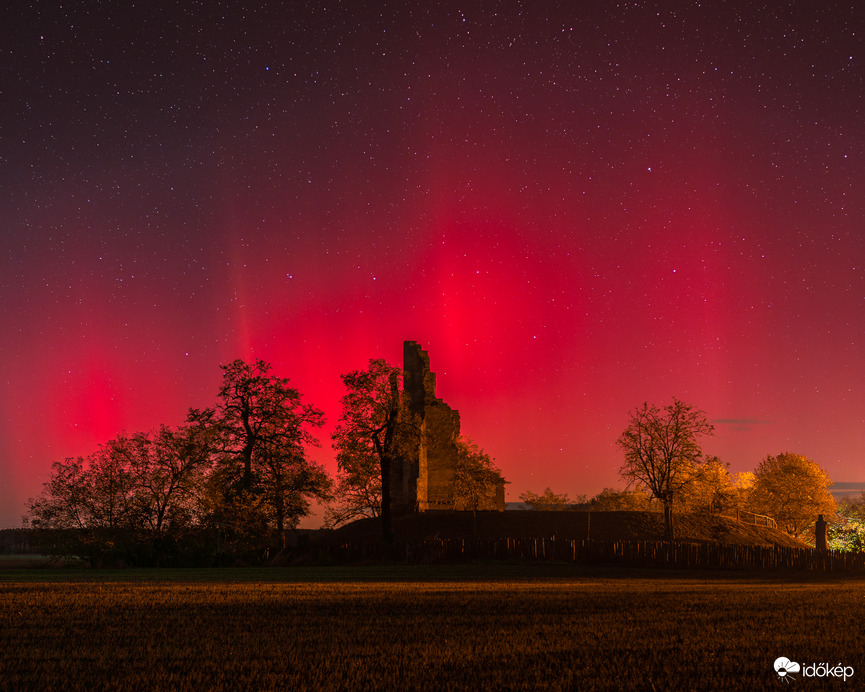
(786,669)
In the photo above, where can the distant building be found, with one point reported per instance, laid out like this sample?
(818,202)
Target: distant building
(423,479)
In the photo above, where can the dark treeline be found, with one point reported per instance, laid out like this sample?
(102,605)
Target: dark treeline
(224,486)
(17,542)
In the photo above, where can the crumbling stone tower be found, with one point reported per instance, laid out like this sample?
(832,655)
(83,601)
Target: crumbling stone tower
(423,479)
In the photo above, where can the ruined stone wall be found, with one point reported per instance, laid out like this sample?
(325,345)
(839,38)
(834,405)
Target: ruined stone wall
(424,477)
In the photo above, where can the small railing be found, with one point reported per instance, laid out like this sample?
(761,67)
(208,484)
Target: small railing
(745,517)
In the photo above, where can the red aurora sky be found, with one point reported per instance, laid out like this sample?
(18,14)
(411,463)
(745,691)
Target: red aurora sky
(574,207)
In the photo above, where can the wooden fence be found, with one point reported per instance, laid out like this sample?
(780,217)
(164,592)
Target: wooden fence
(630,553)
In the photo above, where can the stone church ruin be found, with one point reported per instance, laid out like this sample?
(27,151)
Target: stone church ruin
(423,478)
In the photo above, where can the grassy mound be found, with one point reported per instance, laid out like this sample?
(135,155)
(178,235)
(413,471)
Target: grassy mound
(694,528)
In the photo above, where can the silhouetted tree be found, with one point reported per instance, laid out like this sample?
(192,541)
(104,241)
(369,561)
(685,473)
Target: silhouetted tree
(357,494)
(476,478)
(64,510)
(289,481)
(64,502)
(792,490)
(169,467)
(123,499)
(371,431)
(241,466)
(662,449)
(92,494)
(259,432)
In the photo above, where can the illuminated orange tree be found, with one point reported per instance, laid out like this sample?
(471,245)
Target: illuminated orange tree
(710,489)
(546,502)
(792,490)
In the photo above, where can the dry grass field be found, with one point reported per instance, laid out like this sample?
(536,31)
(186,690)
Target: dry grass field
(473,627)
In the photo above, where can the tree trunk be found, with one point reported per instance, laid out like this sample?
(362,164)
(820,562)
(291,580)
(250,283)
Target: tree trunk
(386,527)
(280,519)
(668,521)
(248,445)
(384,467)
(246,479)
(385,451)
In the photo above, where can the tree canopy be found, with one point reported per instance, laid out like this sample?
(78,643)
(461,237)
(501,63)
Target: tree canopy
(372,429)
(709,488)
(259,433)
(476,479)
(793,490)
(129,500)
(548,501)
(848,534)
(610,499)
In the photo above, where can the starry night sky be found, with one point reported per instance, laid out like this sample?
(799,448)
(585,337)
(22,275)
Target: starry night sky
(574,207)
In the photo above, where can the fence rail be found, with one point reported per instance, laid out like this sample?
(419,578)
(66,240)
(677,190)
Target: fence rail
(631,553)
(746,517)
